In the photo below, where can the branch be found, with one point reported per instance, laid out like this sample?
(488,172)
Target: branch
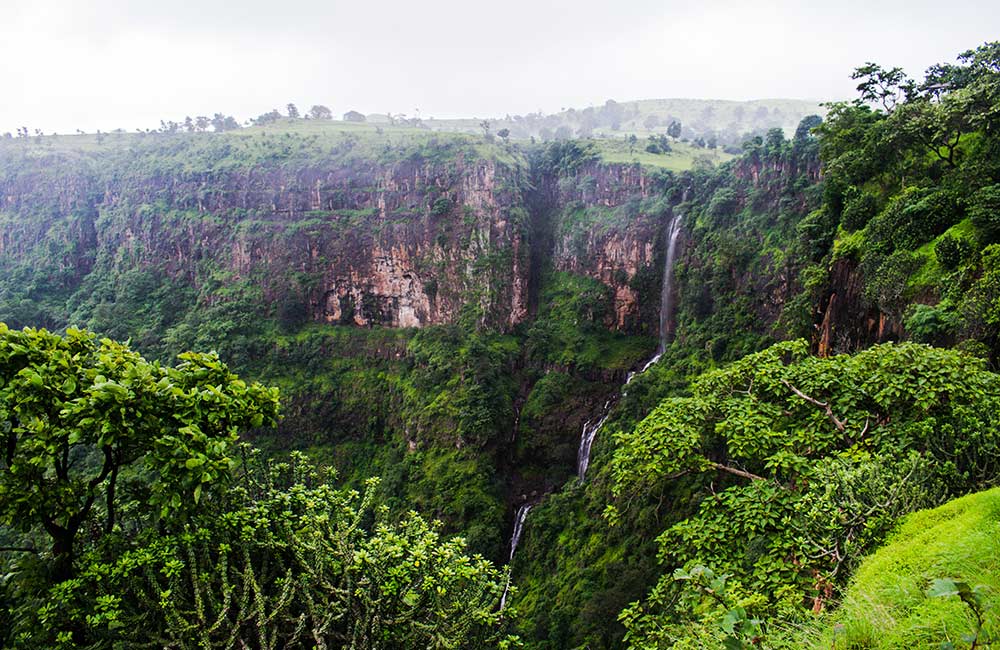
(841,427)
(737,472)
(18,549)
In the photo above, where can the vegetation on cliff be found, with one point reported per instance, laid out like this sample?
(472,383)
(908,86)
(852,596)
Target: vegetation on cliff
(164,531)
(447,312)
(905,594)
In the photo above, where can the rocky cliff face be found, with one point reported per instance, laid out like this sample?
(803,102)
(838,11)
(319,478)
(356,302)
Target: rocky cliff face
(401,240)
(610,227)
(845,321)
(402,243)
(410,236)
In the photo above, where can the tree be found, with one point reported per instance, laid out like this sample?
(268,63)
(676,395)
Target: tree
(504,134)
(811,463)
(354,116)
(77,413)
(284,559)
(293,111)
(806,126)
(267,118)
(320,112)
(882,86)
(222,123)
(674,130)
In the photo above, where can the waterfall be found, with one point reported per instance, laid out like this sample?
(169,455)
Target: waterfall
(590,430)
(519,519)
(666,292)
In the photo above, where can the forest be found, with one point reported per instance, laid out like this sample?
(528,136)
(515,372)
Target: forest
(338,384)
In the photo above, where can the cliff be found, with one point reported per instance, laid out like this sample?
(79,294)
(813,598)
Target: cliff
(405,241)
(610,226)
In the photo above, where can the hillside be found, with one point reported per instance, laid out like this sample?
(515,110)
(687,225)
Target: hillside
(888,604)
(723,122)
(680,392)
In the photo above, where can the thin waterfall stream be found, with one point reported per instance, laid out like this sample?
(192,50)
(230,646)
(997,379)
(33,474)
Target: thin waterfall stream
(591,427)
(666,307)
(519,519)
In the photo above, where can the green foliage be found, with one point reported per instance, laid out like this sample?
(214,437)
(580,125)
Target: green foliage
(973,598)
(825,455)
(931,324)
(282,559)
(952,251)
(723,203)
(903,164)
(984,209)
(898,599)
(859,208)
(564,157)
(77,413)
(571,327)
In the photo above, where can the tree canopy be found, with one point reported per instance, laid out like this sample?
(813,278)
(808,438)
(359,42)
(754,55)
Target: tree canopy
(814,458)
(164,531)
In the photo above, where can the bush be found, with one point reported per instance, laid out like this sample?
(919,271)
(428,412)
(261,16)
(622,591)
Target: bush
(284,559)
(952,251)
(984,208)
(915,217)
(933,324)
(441,206)
(859,208)
(724,202)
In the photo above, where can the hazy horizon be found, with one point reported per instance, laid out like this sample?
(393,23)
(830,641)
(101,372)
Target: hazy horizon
(92,65)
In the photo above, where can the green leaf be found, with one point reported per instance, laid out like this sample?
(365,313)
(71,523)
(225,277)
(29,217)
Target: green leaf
(732,618)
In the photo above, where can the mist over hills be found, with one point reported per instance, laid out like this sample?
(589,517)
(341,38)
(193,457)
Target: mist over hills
(727,122)
(706,123)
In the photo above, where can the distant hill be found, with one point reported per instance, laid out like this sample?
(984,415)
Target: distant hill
(726,122)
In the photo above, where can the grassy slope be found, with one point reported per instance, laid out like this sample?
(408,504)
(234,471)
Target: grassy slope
(886,605)
(683,157)
(368,140)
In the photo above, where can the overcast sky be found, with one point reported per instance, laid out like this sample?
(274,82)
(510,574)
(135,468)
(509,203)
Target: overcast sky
(102,64)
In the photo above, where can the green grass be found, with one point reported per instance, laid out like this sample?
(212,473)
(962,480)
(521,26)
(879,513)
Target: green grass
(930,271)
(886,605)
(284,138)
(683,157)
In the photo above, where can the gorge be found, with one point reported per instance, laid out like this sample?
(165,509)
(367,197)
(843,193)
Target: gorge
(662,385)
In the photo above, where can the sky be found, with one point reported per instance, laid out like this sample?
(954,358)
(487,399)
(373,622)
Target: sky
(106,64)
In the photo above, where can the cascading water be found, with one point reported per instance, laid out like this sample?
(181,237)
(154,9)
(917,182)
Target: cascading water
(590,430)
(666,292)
(666,305)
(519,519)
